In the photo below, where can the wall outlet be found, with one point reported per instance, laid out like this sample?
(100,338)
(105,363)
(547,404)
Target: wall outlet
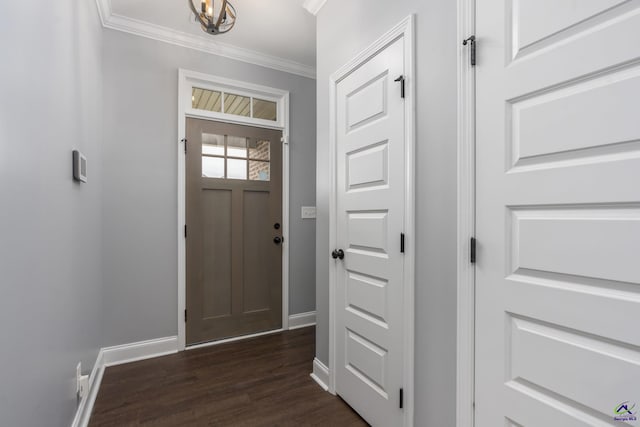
(308,212)
(82,382)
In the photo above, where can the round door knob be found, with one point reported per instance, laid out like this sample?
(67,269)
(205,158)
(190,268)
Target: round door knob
(337,253)
(277,240)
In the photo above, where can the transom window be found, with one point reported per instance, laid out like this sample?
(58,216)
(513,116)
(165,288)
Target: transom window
(234,157)
(230,103)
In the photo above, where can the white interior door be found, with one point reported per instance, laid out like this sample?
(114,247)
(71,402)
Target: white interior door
(558,213)
(370,219)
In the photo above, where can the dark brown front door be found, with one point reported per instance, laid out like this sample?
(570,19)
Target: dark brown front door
(234,220)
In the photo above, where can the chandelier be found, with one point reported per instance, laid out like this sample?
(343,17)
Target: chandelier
(215,17)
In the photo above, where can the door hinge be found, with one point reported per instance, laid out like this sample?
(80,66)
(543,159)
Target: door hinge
(184,141)
(401,405)
(472,250)
(402,243)
(185,231)
(185,315)
(471,41)
(401,80)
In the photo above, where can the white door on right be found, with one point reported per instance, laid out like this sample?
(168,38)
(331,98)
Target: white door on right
(558,213)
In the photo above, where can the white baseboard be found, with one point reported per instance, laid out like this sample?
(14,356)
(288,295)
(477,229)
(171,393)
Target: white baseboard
(302,320)
(117,355)
(85,407)
(320,374)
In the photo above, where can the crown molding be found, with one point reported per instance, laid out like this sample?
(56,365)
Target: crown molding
(313,6)
(204,44)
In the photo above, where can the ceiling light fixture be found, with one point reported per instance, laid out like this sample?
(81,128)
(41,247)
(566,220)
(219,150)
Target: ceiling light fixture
(215,17)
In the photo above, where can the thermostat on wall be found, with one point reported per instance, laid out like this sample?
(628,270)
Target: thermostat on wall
(79,166)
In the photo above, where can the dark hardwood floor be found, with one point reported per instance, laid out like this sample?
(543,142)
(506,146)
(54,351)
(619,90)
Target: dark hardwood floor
(256,382)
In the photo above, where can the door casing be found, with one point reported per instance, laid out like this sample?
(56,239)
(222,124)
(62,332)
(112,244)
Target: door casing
(466,177)
(404,29)
(186,80)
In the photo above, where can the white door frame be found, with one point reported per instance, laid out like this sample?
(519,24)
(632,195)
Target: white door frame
(466,175)
(187,79)
(402,30)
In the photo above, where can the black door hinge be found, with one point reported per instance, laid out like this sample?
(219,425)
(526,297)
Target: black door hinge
(471,41)
(184,140)
(185,231)
(185,315)
(401,398)
(401,80)
(472,250)
(401,242)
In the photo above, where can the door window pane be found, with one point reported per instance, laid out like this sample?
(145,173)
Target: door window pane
(237,105)
(266,110)
(259,150)
(212,144)
(235,157)
(212,167)
(208,100)
(236,169)
(259,171)
(236,146)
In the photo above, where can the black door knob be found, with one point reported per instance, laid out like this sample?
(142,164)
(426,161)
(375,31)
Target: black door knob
(277,240)
(337,253)
(276,226)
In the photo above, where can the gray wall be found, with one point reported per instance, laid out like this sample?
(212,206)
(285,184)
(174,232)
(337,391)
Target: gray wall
(140,181)
(50,244)
(345,28)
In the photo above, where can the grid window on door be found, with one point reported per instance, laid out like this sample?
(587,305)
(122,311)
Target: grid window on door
(234,157)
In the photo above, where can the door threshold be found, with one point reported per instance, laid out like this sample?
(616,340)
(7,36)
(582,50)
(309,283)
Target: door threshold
(233,339)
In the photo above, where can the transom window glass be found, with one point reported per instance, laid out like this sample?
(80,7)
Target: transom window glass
(234,157)
(231,103)
(267,110)
(208,100)
(237,105)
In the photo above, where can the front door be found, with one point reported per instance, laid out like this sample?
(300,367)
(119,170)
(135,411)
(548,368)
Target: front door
(234,230)
(371,179)
(558,213)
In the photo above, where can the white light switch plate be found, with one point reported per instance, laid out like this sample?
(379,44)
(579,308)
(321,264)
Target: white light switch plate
(308,212)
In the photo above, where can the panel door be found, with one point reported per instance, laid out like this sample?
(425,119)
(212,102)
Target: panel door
(234,230)
(370,214)
(558,213)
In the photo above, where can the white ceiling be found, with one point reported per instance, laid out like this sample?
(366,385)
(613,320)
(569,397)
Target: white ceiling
(279,28)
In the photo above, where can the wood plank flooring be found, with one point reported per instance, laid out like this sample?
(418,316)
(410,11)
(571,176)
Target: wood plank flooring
(260,382)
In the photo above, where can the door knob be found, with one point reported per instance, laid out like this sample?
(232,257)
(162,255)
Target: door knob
(277,240)
(337,253)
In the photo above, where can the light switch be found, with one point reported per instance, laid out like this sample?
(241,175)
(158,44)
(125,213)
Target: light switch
(308,212)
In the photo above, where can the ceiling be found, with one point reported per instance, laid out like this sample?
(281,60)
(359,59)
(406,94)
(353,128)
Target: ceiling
(277,28)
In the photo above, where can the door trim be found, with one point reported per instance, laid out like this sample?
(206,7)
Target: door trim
(186,79)
(465,303)
(404,29)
